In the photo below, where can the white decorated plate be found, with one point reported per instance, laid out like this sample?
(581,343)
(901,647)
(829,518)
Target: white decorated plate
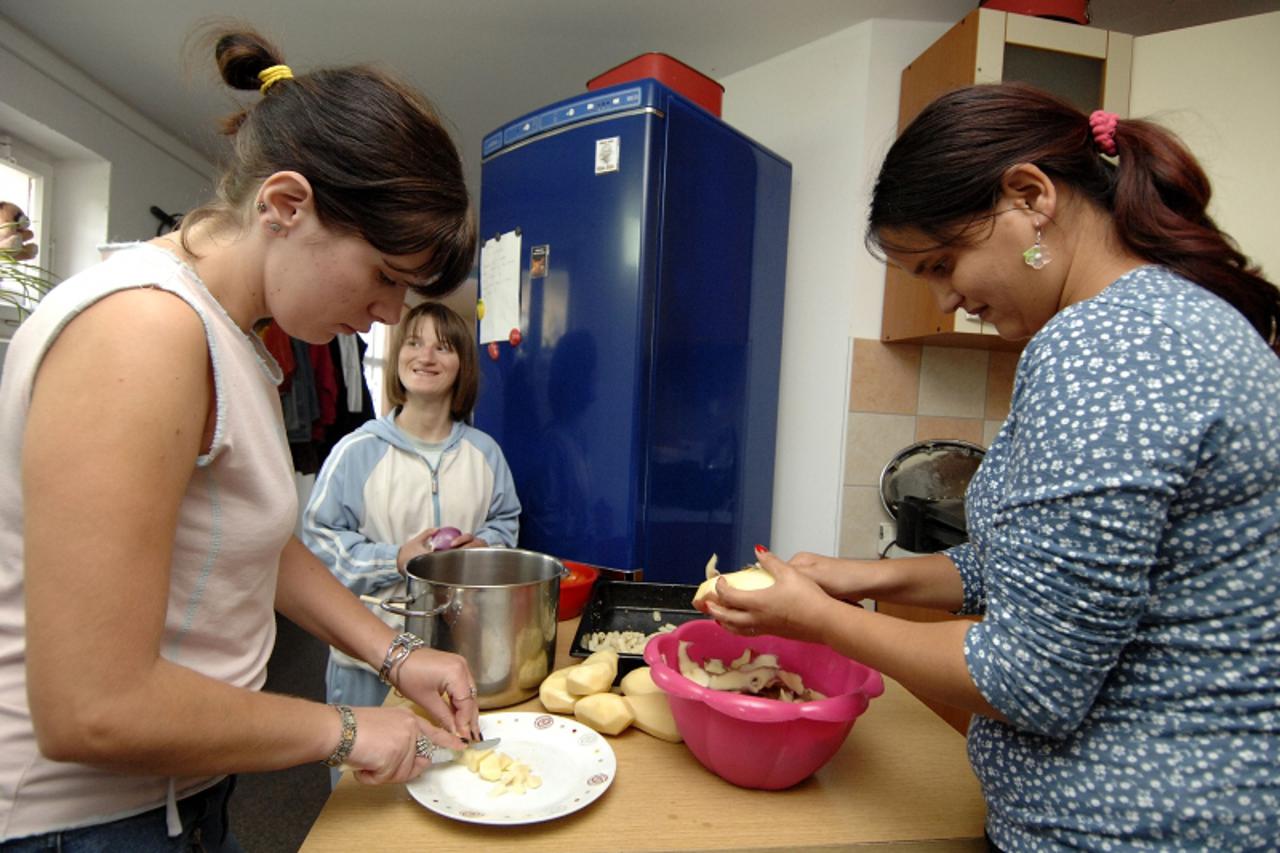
(575,763)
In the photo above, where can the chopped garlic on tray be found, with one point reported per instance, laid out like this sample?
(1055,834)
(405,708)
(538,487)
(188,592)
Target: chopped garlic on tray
(622,642)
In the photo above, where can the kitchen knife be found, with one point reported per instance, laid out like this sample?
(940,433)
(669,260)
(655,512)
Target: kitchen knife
(440,755)
(443,756)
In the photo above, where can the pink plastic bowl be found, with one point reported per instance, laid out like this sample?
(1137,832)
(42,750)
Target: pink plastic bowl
(748,740)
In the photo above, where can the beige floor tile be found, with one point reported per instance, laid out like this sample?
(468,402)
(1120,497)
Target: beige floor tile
(989,431)
(1000,383)
(886,377)
(953,382)
(860,518)
(964,429)
(871,441)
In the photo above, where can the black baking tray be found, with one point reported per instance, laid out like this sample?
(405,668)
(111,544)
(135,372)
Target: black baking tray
(617,605)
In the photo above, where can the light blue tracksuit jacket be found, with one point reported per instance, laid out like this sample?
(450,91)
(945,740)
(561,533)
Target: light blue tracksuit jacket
(376,490)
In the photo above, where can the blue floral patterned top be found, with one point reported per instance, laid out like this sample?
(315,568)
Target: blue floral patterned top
(1125,550)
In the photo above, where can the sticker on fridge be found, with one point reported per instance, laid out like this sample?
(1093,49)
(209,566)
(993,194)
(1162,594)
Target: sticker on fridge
(538,257)
(607,152)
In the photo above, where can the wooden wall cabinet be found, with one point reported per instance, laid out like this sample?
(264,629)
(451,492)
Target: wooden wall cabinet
(1089,67)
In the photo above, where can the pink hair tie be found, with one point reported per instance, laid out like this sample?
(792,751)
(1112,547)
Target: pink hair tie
(1103,125)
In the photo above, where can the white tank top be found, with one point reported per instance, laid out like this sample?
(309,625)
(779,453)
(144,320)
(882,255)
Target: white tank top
(237,514)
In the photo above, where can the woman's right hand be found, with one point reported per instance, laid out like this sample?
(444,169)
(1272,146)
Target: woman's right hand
(386,745)
(419,544)
(415,546)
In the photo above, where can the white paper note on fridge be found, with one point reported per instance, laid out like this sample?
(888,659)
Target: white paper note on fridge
(500,286)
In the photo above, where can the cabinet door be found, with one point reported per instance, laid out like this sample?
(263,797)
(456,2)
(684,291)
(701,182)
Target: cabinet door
(1087,66)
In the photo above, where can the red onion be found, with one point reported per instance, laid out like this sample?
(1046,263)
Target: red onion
(443,539)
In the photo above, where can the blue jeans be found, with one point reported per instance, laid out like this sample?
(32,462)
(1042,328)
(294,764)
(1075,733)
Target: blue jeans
(204,830)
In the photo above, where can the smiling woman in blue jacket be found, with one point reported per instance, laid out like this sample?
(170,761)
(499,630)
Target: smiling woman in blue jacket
(393,482)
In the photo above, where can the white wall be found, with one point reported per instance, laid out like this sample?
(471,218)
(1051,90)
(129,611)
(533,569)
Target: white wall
(109,151)
(830,108)
(1228,113)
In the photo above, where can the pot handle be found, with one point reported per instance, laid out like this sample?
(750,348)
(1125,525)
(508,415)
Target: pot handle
(405,599)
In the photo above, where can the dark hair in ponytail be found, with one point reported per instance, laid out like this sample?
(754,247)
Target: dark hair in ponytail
(379,159)
(944,172)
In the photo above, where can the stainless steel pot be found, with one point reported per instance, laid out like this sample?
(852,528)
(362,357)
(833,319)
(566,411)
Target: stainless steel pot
(494,606)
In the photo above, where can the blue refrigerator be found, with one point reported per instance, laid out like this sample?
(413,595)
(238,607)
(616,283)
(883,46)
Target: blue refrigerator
(637,401)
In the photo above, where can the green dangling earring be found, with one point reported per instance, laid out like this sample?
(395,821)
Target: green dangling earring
(1037,256)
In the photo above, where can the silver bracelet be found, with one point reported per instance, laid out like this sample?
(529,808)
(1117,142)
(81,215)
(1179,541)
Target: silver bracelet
(343,750)
(394,659)
(399,649)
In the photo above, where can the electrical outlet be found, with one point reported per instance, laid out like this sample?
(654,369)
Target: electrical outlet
(887,534)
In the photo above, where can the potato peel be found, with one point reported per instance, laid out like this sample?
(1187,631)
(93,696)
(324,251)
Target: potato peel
(757,675)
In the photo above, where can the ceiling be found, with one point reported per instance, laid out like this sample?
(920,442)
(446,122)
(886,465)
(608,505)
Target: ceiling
(483,62)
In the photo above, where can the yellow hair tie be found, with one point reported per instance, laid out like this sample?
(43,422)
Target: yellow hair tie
(271,76)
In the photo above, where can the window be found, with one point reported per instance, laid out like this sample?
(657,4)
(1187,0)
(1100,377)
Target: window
(24,180)
(24,175)
(377,339)
(16,185)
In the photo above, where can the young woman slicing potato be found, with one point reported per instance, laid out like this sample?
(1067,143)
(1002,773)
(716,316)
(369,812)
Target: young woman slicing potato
(146,485)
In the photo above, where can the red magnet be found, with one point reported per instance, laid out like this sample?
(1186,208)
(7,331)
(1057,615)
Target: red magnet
(515,337)
(493,350)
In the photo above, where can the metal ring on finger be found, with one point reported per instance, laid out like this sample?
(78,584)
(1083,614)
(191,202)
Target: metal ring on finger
(469,694)
(424,747)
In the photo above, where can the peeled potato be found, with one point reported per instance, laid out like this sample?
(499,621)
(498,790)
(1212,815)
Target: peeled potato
(587,678)
(607,713)
(653,716)
(593,675)
(471,758)
(554,692)
(752,577)
(638,681)
(608,657)
(490,768)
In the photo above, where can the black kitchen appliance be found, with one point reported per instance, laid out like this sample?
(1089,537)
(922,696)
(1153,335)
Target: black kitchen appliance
(923,487)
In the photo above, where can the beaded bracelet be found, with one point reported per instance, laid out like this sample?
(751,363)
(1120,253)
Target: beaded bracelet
(343,750)
(399,649)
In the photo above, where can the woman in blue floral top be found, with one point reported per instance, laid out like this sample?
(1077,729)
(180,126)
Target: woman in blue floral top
(1125,523)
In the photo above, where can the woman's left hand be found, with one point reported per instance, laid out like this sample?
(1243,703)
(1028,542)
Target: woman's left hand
(794,607)
(427,676)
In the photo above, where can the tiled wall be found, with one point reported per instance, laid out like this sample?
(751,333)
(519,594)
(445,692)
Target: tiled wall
(903,393)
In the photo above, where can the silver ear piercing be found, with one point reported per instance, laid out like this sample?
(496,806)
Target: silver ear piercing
(275,229)
(1037,256)
(262,207)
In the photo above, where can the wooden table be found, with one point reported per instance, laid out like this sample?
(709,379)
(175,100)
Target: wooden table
(901,778)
